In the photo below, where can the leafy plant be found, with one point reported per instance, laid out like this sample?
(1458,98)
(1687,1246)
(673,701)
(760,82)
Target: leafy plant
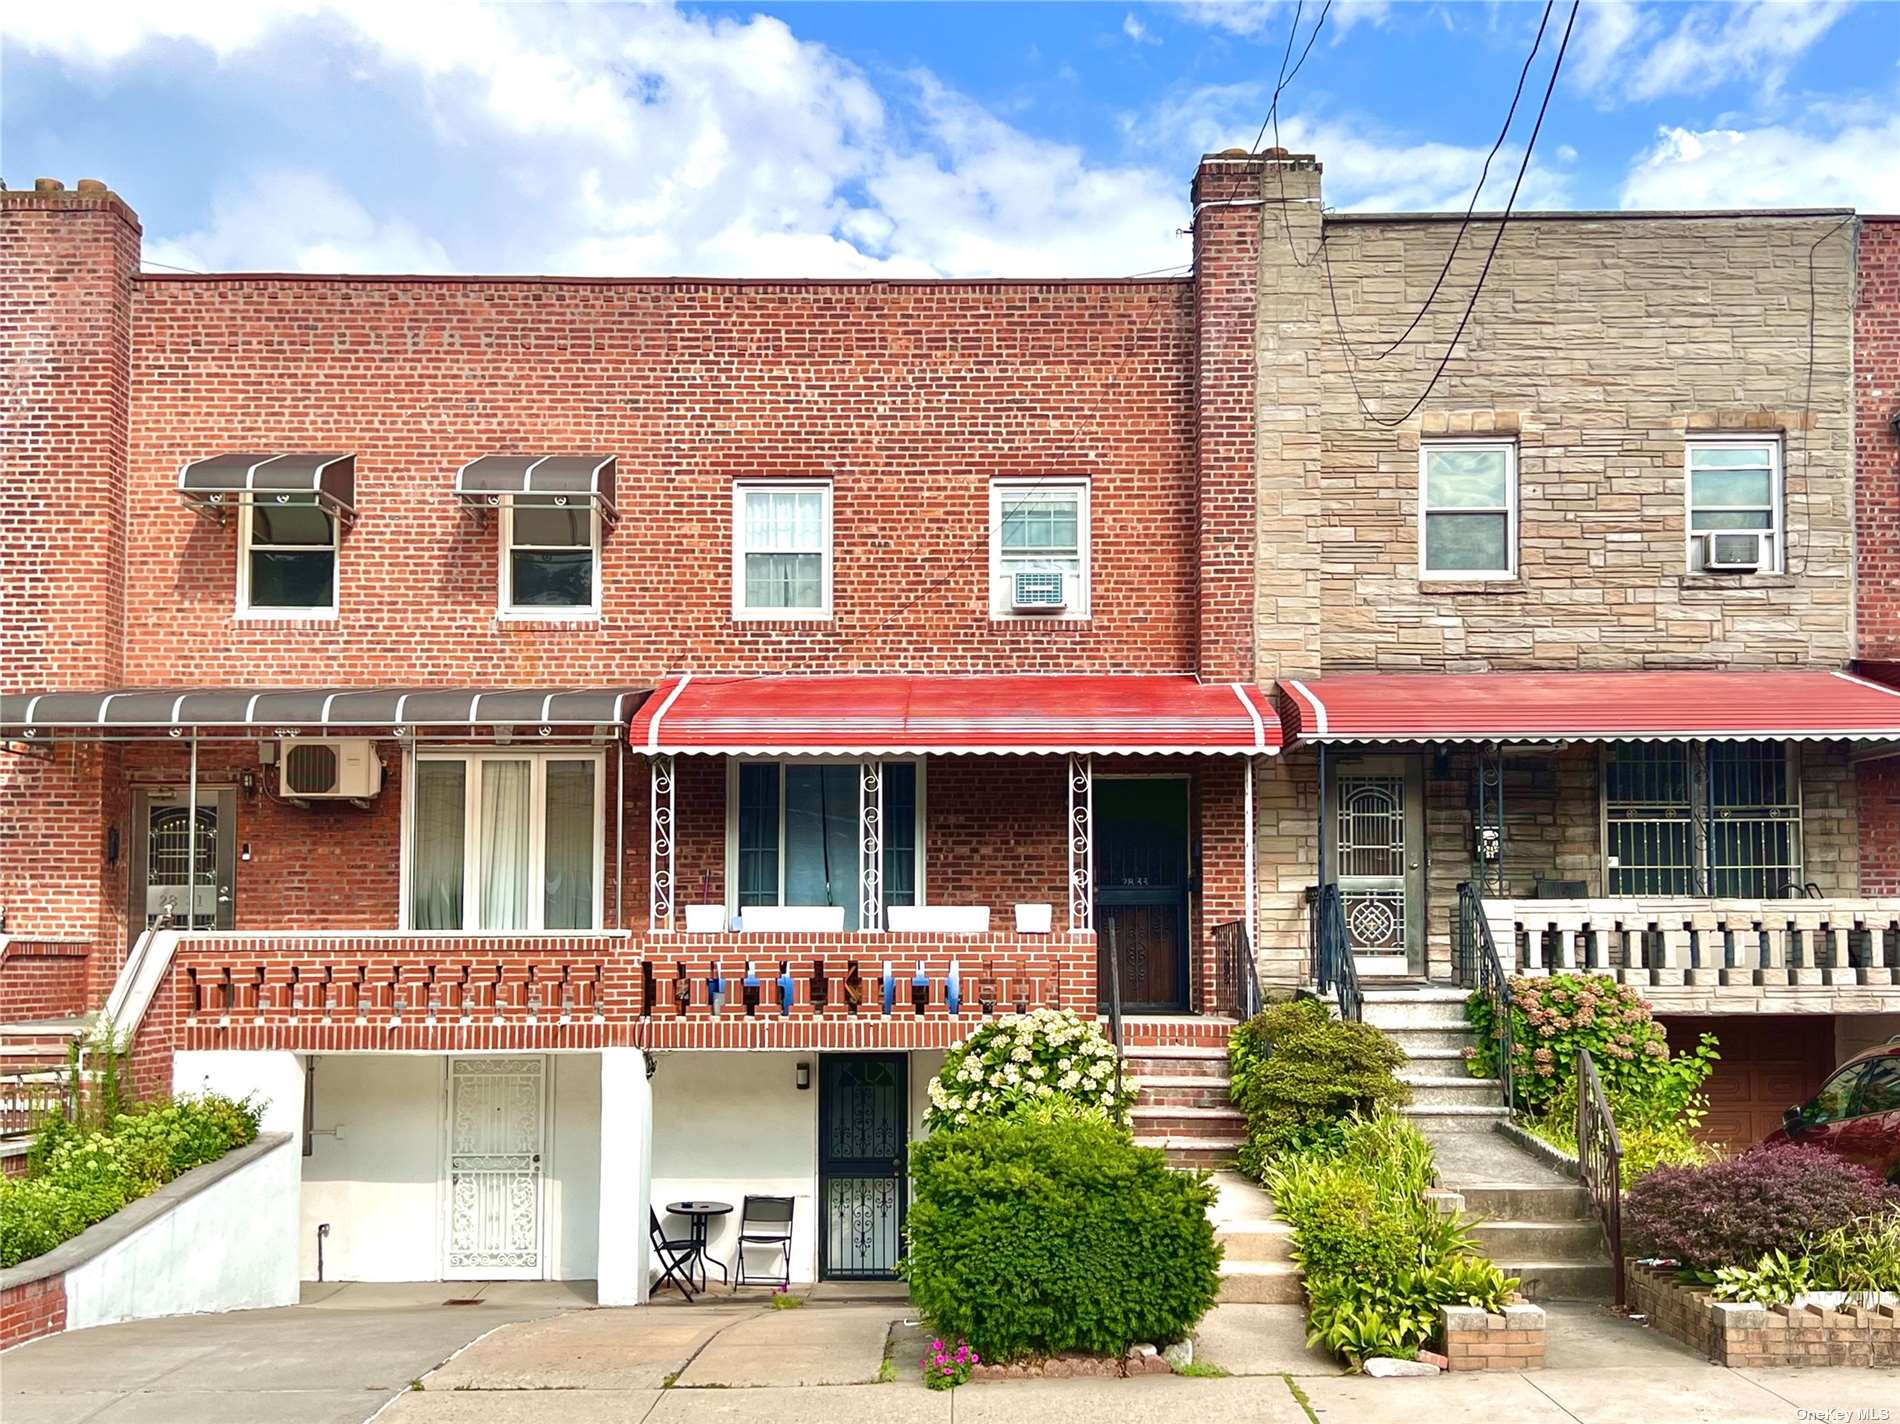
(1672,1144)
(1357,1331)
(1021,1060)
(1040,1237)
(946,1368)
(1298,1073)
(1862,1256)
(1729,1213)
(1554,1018)
(1775,1279)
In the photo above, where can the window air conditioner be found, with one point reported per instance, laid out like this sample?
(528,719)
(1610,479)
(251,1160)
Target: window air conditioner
(329,768)
(1037,591)
(1736,551)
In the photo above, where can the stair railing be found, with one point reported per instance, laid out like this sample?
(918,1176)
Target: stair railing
(1334,971)
(1479,967)
(1114,1003)
(1600,1160)
(1236,975)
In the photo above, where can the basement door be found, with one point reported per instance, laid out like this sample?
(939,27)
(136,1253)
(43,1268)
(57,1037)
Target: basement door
(497,1126)
(863,1139)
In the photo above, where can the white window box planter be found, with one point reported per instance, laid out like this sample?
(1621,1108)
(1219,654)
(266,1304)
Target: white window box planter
(705,919)
(1034,919)
(822,919)
(939,919)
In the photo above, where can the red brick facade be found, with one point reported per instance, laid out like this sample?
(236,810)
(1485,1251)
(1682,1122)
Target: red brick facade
(29,1311)
(1877,524)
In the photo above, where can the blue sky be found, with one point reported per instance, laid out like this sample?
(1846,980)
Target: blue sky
(908,139)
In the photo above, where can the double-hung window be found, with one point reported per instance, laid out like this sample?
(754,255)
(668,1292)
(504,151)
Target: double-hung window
(1467,510)
(1039,548)
(550,556)
(287,556)
(795,834)
(1734,506)
(1718,819)
(781,549)
(505,840)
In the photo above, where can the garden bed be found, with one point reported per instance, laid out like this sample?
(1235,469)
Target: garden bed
(1740,1333)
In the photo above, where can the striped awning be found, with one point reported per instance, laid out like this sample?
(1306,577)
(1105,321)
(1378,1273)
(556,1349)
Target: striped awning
(224,480)
(48,715)
(560,477)
(872,714)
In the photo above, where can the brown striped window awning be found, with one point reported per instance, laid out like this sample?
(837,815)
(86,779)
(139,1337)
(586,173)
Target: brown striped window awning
(225,481)
(557,477)
(51,716)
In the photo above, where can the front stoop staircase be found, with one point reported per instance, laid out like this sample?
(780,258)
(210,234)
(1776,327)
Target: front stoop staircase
(1256,1246)
(1537,1223)
(1183,1107)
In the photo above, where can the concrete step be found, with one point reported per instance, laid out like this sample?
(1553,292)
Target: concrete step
(1434,1040)
(1414,1011)
(1561,1280)
(1441,1090)
(1260,1283)
(1255,1241)
(1575,1241)
(1517,1203)
(1185,1151)
(1435,1118)
(1222,1123)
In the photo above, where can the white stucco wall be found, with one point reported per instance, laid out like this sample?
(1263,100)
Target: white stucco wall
(376,1169)
(227,1247)
(626,1167)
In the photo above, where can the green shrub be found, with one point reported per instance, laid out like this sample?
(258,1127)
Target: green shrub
(1862,1256)
(77,1177)
(1297,1073)
(1670,1144)
(1023,1059)
(1039,1237)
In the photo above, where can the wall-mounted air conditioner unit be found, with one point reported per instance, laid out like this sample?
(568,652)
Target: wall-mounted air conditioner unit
(329,768)
(1039,590)
(1737,551)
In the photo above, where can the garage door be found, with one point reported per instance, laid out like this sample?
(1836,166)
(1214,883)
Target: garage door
(1769,1063)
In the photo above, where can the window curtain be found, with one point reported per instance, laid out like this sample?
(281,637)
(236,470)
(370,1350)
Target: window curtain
(821,837)
(568,896)
(503,865)
(435,875)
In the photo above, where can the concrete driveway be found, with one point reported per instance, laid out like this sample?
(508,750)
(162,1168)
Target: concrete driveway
(335,1359)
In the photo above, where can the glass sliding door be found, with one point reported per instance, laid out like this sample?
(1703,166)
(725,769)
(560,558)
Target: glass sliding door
(795,834)
(821,837)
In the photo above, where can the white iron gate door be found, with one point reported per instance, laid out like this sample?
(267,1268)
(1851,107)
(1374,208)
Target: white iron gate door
(496,1125)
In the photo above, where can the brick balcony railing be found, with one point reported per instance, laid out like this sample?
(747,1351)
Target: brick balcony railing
(397,991)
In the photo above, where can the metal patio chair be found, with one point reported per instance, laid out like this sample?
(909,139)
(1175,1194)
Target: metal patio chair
(674,1256)
(765,1223)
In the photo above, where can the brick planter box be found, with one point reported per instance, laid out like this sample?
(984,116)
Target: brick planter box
(1743,1333)
(1475,1339)
(1141,1360)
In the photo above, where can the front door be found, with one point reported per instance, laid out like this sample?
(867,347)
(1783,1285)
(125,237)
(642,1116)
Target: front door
(162,845)
(1375,830)
(1142,871)
(863,1137)
(496,1123)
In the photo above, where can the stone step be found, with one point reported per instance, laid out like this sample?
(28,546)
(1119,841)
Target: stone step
(1260,1283)
(1436,1040)
(1441,1117)
(1255,1240)
(1561,1280)
(1222,1123)
(1516,1203)
(1574,1241)
(1411,1011)
(1439,1090)
(1184,1151)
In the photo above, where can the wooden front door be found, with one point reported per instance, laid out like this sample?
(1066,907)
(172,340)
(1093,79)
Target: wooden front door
(1142,887)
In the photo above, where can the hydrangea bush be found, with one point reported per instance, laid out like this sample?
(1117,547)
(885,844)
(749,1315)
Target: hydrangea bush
(1022,1060)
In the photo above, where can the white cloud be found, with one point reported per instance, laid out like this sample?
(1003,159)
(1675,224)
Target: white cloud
(1137,31)
(1771,166)
(632,139)
(1632,51)
(1249,18)
(308,223)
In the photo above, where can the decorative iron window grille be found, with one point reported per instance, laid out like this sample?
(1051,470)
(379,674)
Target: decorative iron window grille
(1720,819)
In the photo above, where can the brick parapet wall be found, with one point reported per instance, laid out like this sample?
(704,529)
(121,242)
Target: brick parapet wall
(41,979)
(1749,1335)
(32,1310)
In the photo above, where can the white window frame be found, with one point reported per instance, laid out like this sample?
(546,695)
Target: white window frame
(506,606)
(1512,499)
(1777,496)
(733,764)
(1002,589)
(472,757)
(245,607)
(740,609)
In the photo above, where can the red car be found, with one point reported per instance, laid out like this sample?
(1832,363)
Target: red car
(1856,1114)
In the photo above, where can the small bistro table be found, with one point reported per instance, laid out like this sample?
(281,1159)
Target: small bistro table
(700,1214)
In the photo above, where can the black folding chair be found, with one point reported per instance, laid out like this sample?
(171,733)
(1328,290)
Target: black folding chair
(765,1223)
(675,1257)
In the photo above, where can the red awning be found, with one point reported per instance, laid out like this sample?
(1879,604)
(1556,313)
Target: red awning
(877,714)
(1795,705)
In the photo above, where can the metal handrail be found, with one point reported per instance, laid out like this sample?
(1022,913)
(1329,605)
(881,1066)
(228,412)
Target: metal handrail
(1114,1003)
(1334,971)
(1479,967)
(1600,1160)
(1237,974)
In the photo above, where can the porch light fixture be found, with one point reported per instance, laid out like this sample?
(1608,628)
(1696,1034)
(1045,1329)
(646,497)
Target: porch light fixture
(803,1077)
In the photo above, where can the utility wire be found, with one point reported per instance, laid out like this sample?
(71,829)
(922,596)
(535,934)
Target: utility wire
(1503,222)
(1483,174)
(1273,107)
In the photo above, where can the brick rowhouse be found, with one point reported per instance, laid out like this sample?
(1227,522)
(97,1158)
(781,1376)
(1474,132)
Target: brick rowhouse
(1877,524)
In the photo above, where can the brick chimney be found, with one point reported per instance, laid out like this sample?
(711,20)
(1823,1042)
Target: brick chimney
(1258,330)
